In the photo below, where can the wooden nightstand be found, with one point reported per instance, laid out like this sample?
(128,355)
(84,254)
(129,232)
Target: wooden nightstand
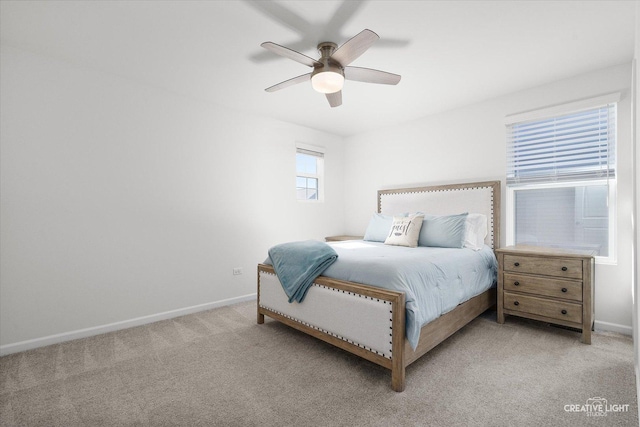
(341,238)
(546,284)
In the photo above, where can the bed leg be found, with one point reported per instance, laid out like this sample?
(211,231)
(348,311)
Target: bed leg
(260,316)
(398,378)
(398,364)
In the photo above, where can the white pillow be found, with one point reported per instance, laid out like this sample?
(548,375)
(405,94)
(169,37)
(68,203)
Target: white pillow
(405,231)
(475,231)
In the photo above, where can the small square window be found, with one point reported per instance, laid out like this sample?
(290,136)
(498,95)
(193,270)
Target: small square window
(309,174)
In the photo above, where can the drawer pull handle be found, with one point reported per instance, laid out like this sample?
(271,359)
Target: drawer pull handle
(564,268)
(564,289)
(517,264)
(516,303)
(564,311)
(516,283)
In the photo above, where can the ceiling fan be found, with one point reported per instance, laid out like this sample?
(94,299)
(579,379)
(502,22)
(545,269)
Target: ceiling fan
(332,68)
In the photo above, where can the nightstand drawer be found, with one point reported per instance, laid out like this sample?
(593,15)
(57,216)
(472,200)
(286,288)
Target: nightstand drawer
(557,267)
(567,311)
(538,285)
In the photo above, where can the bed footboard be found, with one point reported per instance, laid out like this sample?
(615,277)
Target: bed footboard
(366,321)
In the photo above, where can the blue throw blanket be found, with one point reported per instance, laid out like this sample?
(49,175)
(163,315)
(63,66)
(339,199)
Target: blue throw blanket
(297,264)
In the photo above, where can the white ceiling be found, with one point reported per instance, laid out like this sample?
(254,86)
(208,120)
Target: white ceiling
(449,53)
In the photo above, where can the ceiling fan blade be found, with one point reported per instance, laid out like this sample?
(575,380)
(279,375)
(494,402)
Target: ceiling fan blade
(290,82)
(368,75)
(291,54)
(335,99)
(280,14)
(354,47)
(341,16)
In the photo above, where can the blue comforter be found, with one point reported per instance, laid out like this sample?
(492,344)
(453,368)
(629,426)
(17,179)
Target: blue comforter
(297,264)
(434,280)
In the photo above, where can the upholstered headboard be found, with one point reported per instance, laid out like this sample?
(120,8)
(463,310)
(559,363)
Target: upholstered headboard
(451,199)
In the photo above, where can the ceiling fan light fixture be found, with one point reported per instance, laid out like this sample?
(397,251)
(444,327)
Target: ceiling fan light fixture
(327,82)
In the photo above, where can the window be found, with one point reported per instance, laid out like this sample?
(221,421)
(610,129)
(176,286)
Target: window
(309,172)
(561,179)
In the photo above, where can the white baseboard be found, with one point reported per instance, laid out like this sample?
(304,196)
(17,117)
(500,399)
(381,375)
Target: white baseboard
(612,327)
(97,330)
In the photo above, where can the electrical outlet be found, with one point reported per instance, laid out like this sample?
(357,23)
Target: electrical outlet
(237,271)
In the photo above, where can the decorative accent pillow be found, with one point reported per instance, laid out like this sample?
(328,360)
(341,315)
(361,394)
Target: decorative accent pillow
(446,231)
(379,227)
(405,231)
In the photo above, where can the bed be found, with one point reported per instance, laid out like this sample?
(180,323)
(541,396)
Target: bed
(371,321)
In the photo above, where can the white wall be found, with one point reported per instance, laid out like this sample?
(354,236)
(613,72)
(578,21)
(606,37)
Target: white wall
(121,200)
(468,144)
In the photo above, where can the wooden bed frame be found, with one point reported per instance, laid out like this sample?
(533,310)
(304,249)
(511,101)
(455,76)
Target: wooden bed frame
(441,200)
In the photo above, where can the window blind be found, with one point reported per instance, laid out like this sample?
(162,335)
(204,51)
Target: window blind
(571,147)
(309,152)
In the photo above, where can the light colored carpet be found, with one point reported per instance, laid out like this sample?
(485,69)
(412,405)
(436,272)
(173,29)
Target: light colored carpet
(220,368)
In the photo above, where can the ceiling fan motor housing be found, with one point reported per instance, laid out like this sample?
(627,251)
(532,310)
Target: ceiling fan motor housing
(328,75)
(326,49)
